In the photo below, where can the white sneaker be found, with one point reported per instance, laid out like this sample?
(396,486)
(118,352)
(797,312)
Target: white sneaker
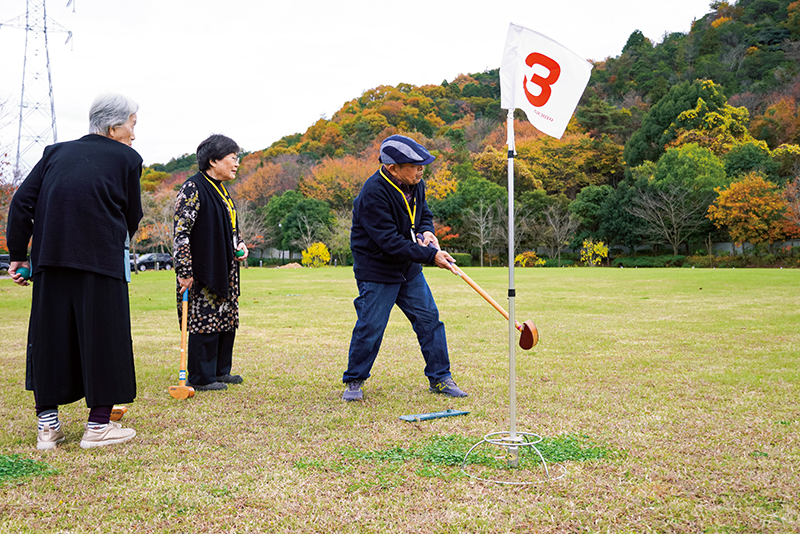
(113,434)
(48,439)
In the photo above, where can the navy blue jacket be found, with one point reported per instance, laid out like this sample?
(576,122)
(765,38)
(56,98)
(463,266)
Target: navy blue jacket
(380,238)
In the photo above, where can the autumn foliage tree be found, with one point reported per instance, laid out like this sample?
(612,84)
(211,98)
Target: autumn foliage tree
(753,210)
(778,124)
(152,179)
(259,185)
(441,184)
(792,196)
(565,166)
(444,234)
(718,129)
(337,181)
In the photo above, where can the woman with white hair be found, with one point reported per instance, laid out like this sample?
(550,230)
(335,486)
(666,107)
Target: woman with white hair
(80,202)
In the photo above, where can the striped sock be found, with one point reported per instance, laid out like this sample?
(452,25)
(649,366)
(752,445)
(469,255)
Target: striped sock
(50,417)
(96,426)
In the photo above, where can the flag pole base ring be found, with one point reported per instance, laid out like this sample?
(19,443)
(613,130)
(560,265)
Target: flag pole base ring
(512,446)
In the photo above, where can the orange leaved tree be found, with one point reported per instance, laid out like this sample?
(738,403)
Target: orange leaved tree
(752,209)
(792,196)
(337,181)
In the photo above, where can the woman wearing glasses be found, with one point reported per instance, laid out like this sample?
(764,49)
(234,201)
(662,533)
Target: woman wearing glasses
(208,249)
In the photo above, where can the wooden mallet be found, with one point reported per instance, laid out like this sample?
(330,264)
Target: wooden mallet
(529,334)
(182,391)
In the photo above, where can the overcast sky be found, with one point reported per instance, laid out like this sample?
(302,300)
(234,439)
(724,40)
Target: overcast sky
(257,70)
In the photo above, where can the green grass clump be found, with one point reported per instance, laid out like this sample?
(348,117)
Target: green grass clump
(14,466)
(451,451)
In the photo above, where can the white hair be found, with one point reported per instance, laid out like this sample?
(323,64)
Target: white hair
(110,110)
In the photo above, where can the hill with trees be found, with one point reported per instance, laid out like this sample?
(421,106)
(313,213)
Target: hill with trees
(662,140)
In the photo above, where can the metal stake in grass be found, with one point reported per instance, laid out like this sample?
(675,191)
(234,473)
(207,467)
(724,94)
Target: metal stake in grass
(182,391)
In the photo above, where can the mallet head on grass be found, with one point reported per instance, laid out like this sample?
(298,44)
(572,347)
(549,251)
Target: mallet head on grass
(181,392)
(117,412)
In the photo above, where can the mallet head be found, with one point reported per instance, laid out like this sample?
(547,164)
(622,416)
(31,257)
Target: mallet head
(529,336)
(181,392)
(117,412)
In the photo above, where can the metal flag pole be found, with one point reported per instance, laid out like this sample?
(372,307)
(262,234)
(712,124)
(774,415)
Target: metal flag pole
(513,457)
(512,441)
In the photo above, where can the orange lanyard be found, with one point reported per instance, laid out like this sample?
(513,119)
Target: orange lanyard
(411,214)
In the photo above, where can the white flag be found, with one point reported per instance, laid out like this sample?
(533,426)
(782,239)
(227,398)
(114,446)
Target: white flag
(542,78)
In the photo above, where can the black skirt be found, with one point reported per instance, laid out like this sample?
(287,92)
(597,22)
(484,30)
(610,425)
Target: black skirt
(79,339)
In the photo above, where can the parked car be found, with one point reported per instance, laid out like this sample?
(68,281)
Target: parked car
(5,262)
(148,261)
(132,258)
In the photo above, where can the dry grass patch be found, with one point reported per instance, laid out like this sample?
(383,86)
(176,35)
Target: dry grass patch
(687,379)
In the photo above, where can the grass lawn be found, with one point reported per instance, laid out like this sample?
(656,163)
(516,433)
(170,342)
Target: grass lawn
(669,395)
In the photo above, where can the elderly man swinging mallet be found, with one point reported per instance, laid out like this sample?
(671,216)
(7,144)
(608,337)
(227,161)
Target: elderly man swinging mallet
(387,256)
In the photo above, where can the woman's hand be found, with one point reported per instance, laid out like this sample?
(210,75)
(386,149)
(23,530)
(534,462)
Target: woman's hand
(185,283)
(243,247)
(15,276)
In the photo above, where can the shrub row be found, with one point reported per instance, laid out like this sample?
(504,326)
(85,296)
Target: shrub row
(768,260)
(648,261)
(553,262)
(462,259)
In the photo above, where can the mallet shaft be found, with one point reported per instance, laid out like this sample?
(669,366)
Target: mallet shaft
(184,335)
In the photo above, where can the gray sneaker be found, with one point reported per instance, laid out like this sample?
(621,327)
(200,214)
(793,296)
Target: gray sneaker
(353,391)
(448,387)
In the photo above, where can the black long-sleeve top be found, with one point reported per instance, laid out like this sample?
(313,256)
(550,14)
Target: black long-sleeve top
(79,202)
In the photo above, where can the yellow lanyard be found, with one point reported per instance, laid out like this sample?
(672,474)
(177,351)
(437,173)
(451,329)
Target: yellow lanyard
(226,198)
(411,215)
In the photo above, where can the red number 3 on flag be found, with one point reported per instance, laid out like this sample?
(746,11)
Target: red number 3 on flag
(555,71)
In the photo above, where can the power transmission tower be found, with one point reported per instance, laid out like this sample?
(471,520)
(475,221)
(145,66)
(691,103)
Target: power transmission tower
(37,111)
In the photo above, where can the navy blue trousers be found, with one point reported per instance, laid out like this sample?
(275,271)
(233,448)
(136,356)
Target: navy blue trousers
(374,305)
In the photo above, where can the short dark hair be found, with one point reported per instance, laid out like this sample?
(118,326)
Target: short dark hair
(215,148)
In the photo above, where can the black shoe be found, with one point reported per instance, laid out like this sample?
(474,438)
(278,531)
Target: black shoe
(230,379)
(213,386)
